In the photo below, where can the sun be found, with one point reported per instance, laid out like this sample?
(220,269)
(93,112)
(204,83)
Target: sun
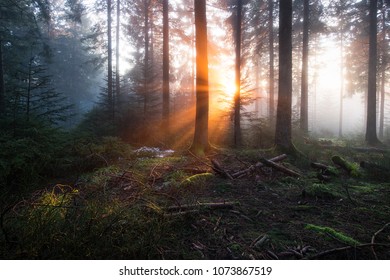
(230,88)
(226,84)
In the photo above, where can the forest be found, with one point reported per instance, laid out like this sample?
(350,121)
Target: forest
(194,129)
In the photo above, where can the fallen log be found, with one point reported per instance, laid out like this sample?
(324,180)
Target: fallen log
(257,165)
(280,168)
(351,168)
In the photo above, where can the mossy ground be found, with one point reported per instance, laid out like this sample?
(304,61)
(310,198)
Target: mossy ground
(119,211)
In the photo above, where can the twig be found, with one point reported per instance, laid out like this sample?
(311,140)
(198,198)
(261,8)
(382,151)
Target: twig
(374,236)
(173,214)
(99,156)
(200,160)
(349,195)
(151,174)
(340,249)
(217,224)
(272,255)
(214,205)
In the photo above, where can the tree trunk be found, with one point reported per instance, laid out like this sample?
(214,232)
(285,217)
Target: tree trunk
(2,84)
(117,68)
(382,103)
(200,143)
(304,121)
(257,86)
(341,84)
(283,117)
(237,96)
(383,74)
(271,61)
(28,102)
(146,58)
(109,61)
(371,136)
(165,112)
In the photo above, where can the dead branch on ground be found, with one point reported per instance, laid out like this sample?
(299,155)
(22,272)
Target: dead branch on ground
(207,205)
(374,236)
(280,168)
(257,165)
(346,248)
(218,169)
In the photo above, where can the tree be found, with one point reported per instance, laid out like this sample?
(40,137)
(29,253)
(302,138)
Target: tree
(117,68)
(237,96)
(146,56)
(341,111)
(383,67)
(271,60)
(304,120)
(200,144)
(20,24)
(109,61)
(2,85)
(283,114)
(165,113)
(371,135)
(349,31)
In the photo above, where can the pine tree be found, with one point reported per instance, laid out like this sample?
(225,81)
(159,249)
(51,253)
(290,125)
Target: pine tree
(283,118)
(200,144)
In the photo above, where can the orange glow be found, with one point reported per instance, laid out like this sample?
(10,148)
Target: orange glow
(228,87)
(222,88)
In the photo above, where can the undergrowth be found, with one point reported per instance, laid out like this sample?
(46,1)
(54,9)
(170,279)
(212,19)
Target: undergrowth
(102,200)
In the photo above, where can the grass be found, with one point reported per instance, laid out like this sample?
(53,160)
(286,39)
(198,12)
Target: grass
(119,212)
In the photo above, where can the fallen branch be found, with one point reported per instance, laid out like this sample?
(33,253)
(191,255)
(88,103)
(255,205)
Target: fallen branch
(99,156)
(218,169)
(325,169)
(193,171)
(212,205)
(280,168)
(349,195)
(320,166)
(173,214)
(374,236)
(335,250)
(257,165)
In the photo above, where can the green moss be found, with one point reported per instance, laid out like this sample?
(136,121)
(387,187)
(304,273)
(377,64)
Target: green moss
(196,180)
(350,167)
(364,188)
(326,191)
(333,233)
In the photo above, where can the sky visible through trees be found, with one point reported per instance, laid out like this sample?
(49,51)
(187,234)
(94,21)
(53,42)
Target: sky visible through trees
(140,73)
(324,63)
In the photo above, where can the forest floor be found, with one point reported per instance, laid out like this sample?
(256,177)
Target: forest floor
(177,207)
